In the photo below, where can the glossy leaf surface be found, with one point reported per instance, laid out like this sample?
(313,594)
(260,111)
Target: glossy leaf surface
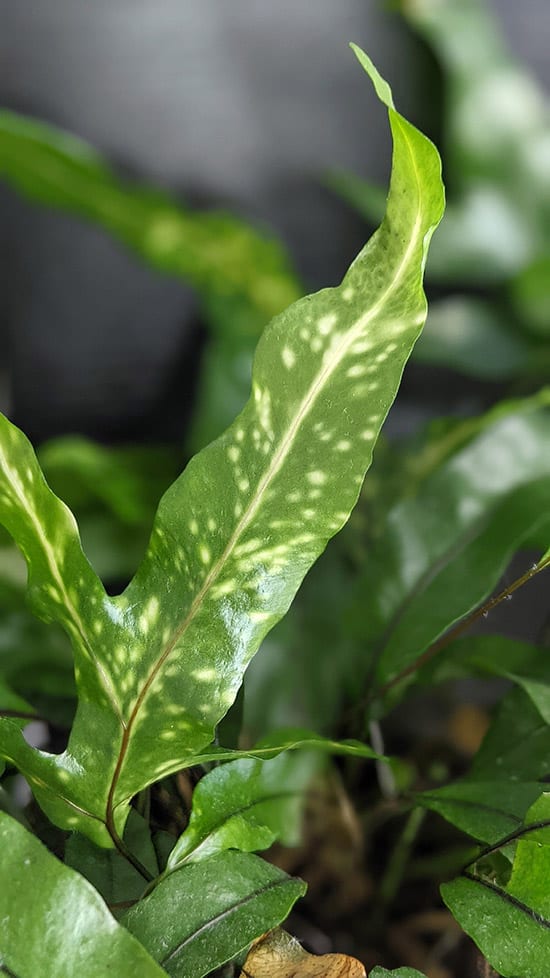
(207,912)
(246,805)
(54,924)
(158,666)
(511,922)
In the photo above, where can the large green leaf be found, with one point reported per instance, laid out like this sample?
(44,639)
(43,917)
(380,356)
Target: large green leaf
(443,548)
(159,666)
(511,922)
(54,924)
(208,912)
(127,481)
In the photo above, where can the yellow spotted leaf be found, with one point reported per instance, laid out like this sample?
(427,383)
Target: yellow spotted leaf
(158,666)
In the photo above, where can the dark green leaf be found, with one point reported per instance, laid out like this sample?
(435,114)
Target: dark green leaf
(246,805)
(485,810)
(54,924)
(511,923)
(208,912)
(517,745)
(443,550)
(128,482)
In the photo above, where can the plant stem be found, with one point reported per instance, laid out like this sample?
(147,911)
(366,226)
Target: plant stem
(398,860)
(127,853)
(462,626)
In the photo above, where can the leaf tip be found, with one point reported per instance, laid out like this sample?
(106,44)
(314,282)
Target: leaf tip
(381,86)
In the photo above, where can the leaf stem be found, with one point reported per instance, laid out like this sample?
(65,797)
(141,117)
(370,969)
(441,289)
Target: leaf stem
(462,626)
(397,863)
(127,853)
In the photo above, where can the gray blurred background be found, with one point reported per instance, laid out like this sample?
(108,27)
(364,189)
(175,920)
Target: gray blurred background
(244,104)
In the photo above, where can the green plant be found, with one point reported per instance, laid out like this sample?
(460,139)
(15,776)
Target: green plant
(158,668)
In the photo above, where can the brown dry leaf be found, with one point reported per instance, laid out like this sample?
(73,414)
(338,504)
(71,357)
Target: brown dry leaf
(278,955)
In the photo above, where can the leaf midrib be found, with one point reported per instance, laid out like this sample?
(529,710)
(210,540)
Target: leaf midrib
(68,604)
(278,459)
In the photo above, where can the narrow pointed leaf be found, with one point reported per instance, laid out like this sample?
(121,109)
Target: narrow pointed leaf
(54,924)
(159,666)
(235,535)
(466,578)
(208,912)
(291,739)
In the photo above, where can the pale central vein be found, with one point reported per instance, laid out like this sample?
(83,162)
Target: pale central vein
(74,617)
(275,465)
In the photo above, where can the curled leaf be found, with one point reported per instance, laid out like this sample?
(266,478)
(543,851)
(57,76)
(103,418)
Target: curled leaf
(278,955)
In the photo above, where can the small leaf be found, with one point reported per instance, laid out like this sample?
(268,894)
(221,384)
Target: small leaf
(278,955)
(54,924)
(246,805)
(206,913)
(511,923)
(485,810)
